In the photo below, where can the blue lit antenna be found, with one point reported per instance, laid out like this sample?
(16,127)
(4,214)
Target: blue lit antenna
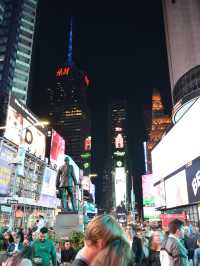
(69,52)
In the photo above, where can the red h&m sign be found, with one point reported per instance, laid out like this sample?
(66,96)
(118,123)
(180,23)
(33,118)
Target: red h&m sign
(62,71)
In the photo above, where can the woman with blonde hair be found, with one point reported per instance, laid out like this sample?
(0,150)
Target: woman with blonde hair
(100,232)
(117,253)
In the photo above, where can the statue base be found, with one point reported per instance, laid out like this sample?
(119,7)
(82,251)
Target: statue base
(67,222)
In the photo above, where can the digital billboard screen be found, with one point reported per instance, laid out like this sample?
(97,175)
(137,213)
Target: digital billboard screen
(120,185)
(179,146)
(148,190)
(57,152)
(21,129)
(176,190)
(49,182)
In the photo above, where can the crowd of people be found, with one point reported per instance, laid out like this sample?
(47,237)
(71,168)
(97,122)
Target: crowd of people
(106,243)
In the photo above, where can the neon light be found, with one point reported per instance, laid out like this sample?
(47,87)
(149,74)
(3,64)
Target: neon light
(86,80)
(62,71)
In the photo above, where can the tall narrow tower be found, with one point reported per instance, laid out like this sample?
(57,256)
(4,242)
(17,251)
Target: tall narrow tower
(68,109)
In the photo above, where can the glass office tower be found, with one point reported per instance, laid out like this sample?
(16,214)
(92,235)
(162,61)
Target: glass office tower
(17,23)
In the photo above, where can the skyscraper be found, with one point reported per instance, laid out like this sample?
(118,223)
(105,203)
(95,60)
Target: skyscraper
(115,175)
(182,29)
(159,124)
(68,109)
(17,24)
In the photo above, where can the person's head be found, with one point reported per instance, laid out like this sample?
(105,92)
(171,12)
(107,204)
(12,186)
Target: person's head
(34,235)
(17,238)
(176,227)
(102,230)
(43,233)
(67,245)
(116,253)
(67,160)
(198,242)
(8,237)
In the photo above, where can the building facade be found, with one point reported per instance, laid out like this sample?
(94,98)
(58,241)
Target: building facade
(68,110)
(17,24)
(182,29)
(159,124)
(116,171)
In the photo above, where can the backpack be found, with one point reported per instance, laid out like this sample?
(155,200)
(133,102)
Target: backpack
(166,258)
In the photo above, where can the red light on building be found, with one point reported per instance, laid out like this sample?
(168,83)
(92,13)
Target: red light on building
(62,71)
(87,144)
(86,80)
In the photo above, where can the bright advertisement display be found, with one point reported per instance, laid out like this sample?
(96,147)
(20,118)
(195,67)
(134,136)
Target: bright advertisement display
(151,213)
(179,146)
(57,152)
(149,191)
(20,128)
(167,218)
(49,182)
(176,190)
(160,200)
(7,157)
(120,185)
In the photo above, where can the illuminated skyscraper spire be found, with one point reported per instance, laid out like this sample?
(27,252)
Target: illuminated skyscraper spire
(69,52)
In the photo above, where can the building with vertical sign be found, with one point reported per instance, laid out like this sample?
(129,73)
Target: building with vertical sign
(17,25)
(115,173)
(159,123)
(68,110)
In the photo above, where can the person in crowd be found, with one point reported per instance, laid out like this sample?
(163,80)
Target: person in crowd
(137,247)
(40,223)
(43,250)
(68,254)
(16,246)
(27,249)
(172,249)
(129,233)
(197,254)
(7,239)
(154,249)
(99,233)
(17,260)
(116,253)
(33,237)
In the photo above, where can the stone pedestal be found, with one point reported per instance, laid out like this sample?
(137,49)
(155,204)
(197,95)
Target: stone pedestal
(67,222)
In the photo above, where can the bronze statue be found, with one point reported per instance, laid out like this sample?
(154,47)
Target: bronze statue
(64,183)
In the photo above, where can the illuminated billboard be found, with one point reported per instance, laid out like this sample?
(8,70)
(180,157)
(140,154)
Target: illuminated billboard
(21,129)
(120,185)
(179,146)
(119,141)
(57,152)
(148,190)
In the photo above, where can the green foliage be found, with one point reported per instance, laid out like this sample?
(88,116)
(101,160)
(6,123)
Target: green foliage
(77,239)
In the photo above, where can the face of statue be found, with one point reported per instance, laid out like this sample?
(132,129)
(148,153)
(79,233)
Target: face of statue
(67,160)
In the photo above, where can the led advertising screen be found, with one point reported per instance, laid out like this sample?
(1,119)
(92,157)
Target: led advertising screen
(49,182)
(20,128)
(57,152)
(120,185)
(7,157)
(160,200)
(148,190)
(176,190)
(179,146)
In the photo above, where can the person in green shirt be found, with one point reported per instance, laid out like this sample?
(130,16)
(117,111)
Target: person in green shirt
(43,250)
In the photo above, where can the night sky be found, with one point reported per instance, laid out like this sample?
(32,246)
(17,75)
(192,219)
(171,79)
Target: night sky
(124,54)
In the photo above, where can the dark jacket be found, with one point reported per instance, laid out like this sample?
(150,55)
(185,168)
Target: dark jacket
(154,258)
(68,255)
(137,250)
(65,176)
